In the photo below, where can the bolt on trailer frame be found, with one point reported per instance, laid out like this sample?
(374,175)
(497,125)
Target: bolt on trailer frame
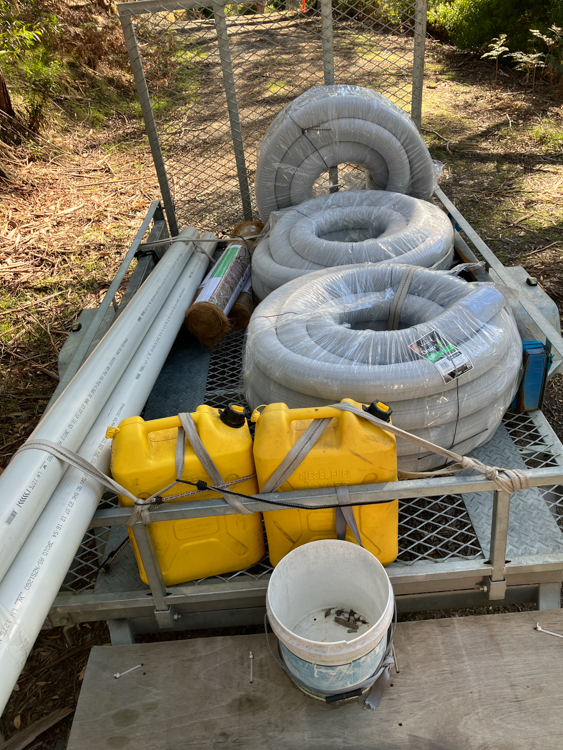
(210,80)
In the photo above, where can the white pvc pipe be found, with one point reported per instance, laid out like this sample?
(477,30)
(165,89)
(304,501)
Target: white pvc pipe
(30,478)
(35,577)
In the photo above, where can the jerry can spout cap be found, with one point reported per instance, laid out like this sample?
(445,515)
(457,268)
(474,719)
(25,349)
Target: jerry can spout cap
(379,409)
(233,415)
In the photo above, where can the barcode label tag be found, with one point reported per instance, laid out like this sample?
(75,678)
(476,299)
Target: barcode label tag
(450,362)
(11,517)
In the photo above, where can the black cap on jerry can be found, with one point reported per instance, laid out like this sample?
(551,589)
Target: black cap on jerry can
(380,410)
(233,415)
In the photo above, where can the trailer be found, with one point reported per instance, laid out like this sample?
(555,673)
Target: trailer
(463,543)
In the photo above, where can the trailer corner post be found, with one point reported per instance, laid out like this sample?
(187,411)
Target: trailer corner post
(418,61)
(496,584)
(126,18)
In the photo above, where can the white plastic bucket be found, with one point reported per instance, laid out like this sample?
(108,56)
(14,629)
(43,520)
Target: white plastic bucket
(307,590)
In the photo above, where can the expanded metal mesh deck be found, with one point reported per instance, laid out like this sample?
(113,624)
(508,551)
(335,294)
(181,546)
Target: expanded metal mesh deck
(435,529)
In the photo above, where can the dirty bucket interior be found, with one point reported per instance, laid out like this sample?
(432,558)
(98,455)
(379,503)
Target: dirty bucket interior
(326,592)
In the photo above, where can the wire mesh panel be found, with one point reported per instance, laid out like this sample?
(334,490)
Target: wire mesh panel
(435,528)
(430,528)
(83,572)
(224,383)
(212,76)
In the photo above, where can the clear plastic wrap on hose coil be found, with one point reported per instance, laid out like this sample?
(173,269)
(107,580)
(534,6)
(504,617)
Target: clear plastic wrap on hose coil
(449,369)
(331,125)
(355,226)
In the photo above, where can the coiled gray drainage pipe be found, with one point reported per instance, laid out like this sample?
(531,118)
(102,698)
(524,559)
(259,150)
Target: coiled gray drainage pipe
(355,226)
(325,336)
(331,125)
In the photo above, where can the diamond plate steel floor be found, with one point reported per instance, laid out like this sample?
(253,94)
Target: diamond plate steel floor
(532,529)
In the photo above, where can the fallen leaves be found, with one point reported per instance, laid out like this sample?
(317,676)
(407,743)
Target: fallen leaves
(52,229)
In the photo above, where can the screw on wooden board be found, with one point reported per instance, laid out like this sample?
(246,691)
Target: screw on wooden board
(251,656)
(117,675)
(549,632)
(397,670)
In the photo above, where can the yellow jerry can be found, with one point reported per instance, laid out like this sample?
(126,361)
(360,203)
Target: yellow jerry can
(350,451)
(142,460)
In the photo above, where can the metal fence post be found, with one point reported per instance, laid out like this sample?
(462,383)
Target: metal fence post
(499,538)
(328,42)
(418,61)
(126,19)
(328,69)
(232,105)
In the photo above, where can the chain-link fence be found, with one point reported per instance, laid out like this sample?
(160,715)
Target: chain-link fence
(211,77)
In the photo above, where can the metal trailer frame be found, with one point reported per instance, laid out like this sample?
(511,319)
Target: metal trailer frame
(489,577)
(424,585)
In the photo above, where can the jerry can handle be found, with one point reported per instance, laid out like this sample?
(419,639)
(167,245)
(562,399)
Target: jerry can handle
(377,409)
(256,414)
(308,412)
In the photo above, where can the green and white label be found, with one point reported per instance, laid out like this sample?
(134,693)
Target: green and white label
(445,356)
(217,273)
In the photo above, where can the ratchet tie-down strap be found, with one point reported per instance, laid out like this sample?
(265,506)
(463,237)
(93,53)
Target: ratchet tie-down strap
(295,457)
(142,505)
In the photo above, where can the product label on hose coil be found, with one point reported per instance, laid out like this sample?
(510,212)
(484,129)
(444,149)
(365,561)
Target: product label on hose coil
(447,358)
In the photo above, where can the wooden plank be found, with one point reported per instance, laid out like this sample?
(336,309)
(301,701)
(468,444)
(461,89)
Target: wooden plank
(468,683)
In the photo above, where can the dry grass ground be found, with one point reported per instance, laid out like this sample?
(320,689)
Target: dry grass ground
(64,226)
(76,199)
(502,149)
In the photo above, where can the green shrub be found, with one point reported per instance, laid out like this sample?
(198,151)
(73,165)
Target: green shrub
(552,42)
(43,83)
(23,46)
(471,24)
(15,36)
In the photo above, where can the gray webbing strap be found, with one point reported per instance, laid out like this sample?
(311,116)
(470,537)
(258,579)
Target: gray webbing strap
(297,454)
(399,299)
(79,462)
(293,460)
(180,455)
(205,459)
(346,515)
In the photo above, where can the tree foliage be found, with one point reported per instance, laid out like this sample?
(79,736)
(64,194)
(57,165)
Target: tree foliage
(471,24)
